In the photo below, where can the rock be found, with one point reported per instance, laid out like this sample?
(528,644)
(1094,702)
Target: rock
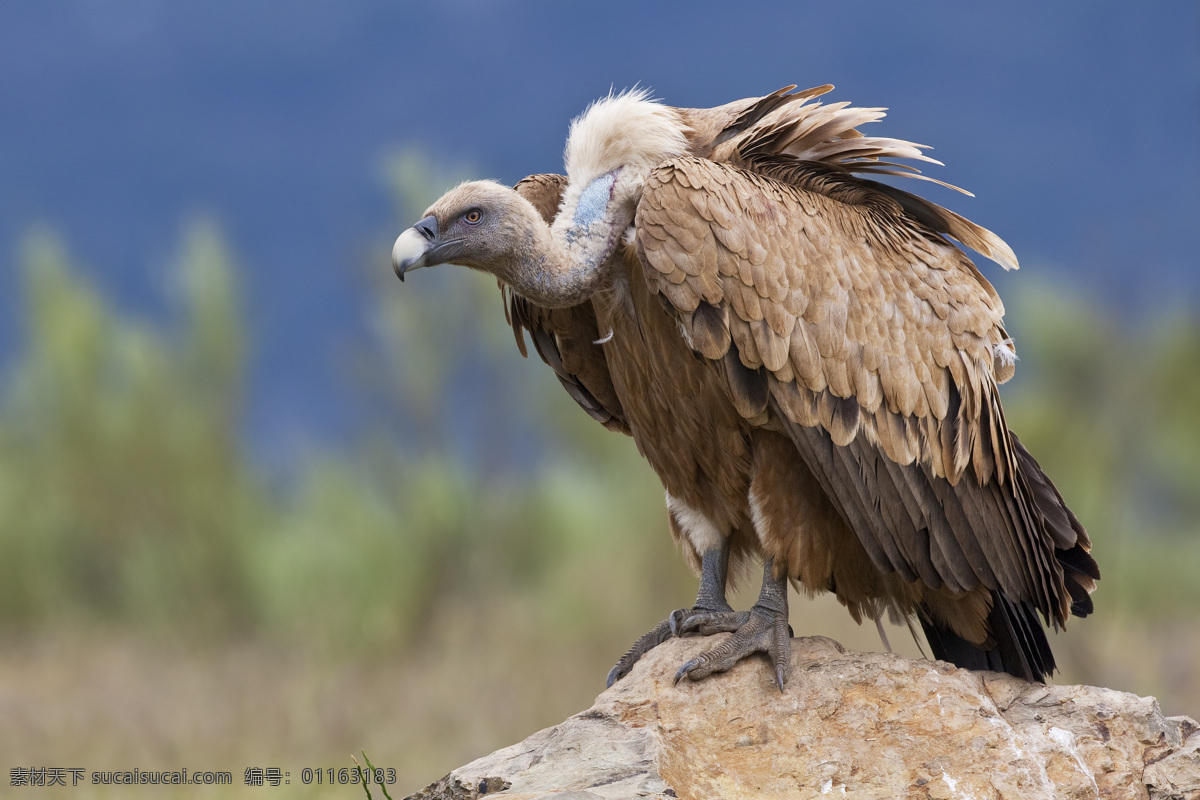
(850,725)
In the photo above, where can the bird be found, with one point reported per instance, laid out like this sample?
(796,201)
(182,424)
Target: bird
(806,356)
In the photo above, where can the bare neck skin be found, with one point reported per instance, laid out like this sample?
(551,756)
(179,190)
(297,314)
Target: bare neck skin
(564,264)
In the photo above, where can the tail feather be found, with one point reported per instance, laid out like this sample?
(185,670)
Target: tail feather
(1071,543)
(1020,644)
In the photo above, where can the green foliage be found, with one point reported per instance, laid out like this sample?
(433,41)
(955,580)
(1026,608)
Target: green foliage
(126,499)
(125,493)
(1113,414)
(363,776)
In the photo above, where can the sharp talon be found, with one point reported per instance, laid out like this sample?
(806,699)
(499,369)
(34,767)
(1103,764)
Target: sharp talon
(791,633)
(676,620)
(613,676)
(779,676)
(685,668)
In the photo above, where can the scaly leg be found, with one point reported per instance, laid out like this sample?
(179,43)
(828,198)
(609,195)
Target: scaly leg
(764,628)
(710,599)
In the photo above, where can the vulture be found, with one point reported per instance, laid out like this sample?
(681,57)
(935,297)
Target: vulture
(805,358)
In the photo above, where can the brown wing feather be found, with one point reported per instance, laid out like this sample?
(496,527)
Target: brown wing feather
(789,126)
(841,293)
(844,314)
(565,338)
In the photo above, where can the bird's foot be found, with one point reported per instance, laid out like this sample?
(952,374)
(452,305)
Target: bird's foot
(664,630)
(762,629)
(706,622)
(714,569)
(645,643)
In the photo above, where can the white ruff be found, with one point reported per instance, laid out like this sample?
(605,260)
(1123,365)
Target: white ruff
(610,150)
(623,130)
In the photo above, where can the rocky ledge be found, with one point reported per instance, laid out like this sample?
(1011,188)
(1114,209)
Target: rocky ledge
(851,725)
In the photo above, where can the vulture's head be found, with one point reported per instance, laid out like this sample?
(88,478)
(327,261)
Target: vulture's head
(480,224)
(610,151)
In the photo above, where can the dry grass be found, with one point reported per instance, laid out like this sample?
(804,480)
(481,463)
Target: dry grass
(119,705)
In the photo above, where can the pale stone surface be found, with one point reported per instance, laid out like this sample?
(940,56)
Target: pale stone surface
(851,725)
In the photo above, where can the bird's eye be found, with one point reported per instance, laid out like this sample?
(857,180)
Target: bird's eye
(472,217)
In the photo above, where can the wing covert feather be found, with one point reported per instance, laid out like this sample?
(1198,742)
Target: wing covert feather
(840,293)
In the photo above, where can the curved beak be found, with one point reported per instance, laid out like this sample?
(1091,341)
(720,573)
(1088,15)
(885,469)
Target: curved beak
(412,247)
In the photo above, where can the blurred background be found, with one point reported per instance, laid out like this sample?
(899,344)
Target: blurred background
(261,505)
